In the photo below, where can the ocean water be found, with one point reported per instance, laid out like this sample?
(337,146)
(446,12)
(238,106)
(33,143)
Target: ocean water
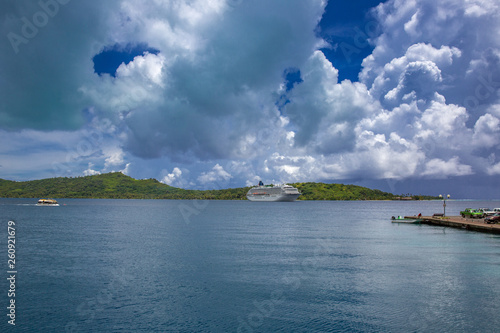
(239,266)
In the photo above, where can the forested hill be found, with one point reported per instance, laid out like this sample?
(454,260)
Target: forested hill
(119,186)
(107,186)
(321,191)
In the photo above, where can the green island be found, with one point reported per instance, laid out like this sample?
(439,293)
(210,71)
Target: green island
(116,185)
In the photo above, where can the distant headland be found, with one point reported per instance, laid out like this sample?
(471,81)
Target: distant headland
(116,185)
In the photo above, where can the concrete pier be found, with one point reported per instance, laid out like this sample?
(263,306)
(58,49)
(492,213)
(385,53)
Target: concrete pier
(460,222)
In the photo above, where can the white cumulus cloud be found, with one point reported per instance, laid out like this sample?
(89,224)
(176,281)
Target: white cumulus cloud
(437,168)
(216,175)
(90,171)
(173,177)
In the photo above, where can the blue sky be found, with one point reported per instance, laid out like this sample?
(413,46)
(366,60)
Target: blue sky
(347,26)
(403,96)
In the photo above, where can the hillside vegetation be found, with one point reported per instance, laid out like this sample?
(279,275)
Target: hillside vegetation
(119,186)
(321,191)
(108,186)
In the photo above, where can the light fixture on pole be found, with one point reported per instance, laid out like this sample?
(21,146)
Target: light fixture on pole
(444,202)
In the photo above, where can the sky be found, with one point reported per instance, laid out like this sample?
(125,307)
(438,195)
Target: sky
(402,96)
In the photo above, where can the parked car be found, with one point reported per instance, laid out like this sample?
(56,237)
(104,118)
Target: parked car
(496,210)
(472,213)
(492,219)
(486,211)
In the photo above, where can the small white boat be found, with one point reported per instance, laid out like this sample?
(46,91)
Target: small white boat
(47,202)
(401,219)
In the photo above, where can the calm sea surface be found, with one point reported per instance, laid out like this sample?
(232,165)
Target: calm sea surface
(239,266)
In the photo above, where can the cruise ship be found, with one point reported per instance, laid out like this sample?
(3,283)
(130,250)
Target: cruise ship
(273,193)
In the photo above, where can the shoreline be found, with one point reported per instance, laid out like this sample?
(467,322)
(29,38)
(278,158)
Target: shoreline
(242,199)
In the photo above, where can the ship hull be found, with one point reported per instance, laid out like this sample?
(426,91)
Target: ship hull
(273,198)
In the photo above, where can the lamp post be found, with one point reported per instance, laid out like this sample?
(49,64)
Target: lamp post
(444,203)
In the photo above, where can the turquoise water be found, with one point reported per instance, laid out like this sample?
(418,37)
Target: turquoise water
(239,266)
